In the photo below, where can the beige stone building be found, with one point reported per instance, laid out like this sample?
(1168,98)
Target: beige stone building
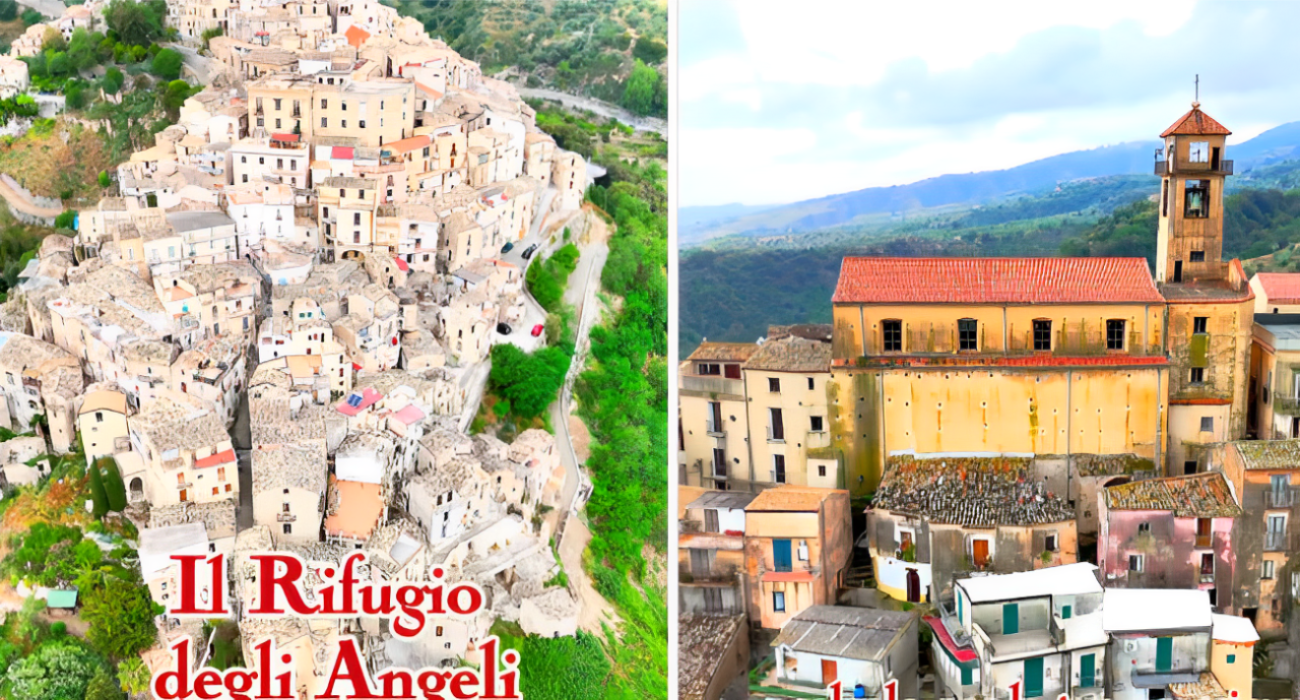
(271,157)
(289,483)
(785,383)
(40,379)
(346,209)
(102,423)
(569,174)
(186,451)
(332,103)
(713,421)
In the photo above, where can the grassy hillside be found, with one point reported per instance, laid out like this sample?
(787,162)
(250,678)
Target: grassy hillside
(614,50)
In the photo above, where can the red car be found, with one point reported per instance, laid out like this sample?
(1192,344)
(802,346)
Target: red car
(537,330)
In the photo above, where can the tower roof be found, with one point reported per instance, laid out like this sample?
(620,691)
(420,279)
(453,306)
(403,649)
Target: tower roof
(1195,123)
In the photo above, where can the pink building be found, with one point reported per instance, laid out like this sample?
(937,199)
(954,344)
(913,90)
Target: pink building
(1172,532)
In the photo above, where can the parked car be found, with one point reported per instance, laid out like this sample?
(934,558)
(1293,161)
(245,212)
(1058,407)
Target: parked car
(503,328)
(528,252)
(537,330)
(507,247)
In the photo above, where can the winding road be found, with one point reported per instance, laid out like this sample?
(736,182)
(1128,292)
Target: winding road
(604,109)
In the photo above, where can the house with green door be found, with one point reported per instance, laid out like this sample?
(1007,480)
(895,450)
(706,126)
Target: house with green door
(1159,638)
(1041,629)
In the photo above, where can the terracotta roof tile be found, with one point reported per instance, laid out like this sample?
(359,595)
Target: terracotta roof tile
(792,354)
(791,498)
(1269,454)
(1193,496)
(995,281)
(1195,123)
(969,491)
(1281,287)
(738,352)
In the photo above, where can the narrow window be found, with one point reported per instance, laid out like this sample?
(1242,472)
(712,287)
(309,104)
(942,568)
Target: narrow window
(1042,334)
(774,385)
(891,332)
(1198,375)
(1115,334)
(1200,324)
(1196,199)
(968,334)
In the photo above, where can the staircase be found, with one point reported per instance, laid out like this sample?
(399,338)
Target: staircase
(860,574)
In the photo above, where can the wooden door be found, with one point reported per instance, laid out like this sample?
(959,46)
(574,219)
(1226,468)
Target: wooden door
(913,586)
(828,672)
(980,552)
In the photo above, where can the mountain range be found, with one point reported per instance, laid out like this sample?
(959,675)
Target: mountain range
(697,225)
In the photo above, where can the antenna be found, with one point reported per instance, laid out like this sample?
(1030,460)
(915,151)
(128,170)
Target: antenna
(1198,88)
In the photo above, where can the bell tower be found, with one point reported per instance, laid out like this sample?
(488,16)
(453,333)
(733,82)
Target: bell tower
(1192,170)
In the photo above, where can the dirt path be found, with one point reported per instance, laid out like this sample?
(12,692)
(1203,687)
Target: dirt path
(18,203)
(595,609)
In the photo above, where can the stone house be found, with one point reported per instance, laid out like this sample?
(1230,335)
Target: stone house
(711,554)
(1171,532)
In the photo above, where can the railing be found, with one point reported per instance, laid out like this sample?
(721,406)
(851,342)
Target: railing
(1162,168)
(725,573)
(714,430)
(774,437)
(286,517)
(1207,578)
(185,485)
(713,385)
(1281,499)
(1286,404)
(817,439)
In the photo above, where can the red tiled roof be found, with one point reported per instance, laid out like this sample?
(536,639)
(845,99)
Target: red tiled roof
(1195,123)
(409,144)
(401,264)
(341,153)
(962,654)
(428,90)
(1281,287)
(224,457)
(356,36)
(995,281)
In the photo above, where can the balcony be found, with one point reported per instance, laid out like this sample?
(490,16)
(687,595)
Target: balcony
(1276,498)
(1280,541)
(712,385)
(817,439)
(1207,577)
(1163,167)
(286,518)
(775,437)
(714,430)
(185,485)
(717,574)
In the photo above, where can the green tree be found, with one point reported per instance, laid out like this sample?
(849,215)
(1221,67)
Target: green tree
(120,614)
(65,219)
(55,671)
(642,90)
(133,676)
(650,51)
(135,23)
(8,10)
(31,17)
(103,686)
(53,40)
(104,179)
(113,79)
(167,64)
(113,484)
(174,96)
(98,494)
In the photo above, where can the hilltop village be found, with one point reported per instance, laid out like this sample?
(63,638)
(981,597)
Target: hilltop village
(277,334)
(1065,473)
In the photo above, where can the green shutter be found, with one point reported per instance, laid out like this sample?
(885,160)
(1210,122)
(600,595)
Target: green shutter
(1232,658)
(1164,654)
(1065,612)
(1010,618)
(1034,677)
(1087,670)
(965,675)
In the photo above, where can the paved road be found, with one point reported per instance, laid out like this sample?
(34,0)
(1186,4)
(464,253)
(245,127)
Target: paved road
(600,107)
(49,8)
(204,68)
(20,203)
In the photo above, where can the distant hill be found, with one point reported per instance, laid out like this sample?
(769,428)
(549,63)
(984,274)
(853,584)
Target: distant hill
(872,204)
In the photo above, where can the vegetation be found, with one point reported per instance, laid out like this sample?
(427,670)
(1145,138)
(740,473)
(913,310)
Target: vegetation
(561,668)
(547,278)
(612,50)
(528,381)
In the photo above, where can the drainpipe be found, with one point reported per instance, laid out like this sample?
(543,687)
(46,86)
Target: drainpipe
(1069,413)
(1160,413)
(749,430)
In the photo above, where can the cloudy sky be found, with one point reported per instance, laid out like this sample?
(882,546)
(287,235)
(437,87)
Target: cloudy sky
(785,100)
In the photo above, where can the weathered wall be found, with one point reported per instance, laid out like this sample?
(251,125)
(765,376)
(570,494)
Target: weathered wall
(1171,557)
